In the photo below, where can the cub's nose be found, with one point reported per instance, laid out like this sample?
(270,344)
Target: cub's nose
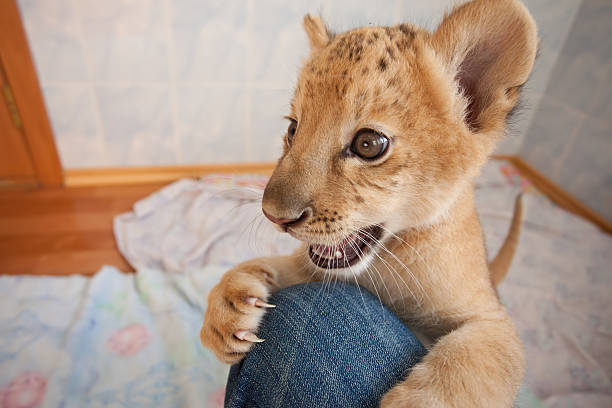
(285,223)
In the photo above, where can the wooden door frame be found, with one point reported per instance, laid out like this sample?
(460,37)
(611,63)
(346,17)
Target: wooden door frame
(19,67)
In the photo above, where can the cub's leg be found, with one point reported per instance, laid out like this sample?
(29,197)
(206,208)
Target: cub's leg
(237,304)
(479,364)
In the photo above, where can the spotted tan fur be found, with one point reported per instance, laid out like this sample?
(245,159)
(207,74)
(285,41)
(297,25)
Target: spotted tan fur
(442,98)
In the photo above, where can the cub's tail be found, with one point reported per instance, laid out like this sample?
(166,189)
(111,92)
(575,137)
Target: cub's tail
(501,263)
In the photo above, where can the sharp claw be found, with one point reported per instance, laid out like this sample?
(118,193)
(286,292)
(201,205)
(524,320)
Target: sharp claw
(247,336)
(253,301)
(261,303)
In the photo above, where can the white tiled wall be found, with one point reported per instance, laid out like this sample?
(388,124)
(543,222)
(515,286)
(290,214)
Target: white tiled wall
(570,137)
(155,82)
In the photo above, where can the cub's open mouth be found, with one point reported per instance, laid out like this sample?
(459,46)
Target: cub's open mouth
(348,252)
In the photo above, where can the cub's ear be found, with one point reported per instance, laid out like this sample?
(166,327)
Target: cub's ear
(490,47)
(318,34)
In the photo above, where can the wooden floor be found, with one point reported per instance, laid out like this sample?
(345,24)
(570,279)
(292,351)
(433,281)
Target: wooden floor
(63,231)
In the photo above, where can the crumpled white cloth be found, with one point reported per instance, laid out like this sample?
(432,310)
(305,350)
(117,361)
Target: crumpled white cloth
(216,220)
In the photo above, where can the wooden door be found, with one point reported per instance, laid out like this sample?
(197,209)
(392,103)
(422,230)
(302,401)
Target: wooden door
(15,161)
(28,155)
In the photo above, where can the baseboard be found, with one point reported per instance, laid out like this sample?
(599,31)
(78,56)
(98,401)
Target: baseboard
(559,196)
(160,174)
(145,175)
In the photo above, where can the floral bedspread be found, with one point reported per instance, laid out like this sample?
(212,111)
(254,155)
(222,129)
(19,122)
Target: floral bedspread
(114,340)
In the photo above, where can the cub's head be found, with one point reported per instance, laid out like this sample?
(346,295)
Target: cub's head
(389,124)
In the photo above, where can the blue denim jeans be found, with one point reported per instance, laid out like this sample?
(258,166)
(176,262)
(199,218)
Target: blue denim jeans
(326,346)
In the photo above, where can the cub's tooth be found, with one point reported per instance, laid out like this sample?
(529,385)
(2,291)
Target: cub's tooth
(338,254)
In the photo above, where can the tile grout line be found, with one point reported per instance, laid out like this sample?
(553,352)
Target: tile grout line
(557,54)
(561,104)
(100,134)
(398,8)
(567,149)
(173,83)
(248,134)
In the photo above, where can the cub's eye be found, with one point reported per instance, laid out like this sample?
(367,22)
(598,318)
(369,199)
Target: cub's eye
(369,144)
(291,131)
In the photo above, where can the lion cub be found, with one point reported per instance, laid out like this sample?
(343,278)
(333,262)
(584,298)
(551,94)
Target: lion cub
(387,130)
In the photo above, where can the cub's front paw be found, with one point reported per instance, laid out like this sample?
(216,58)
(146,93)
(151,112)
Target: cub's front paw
(236,305)
(403,396)
(419,390)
